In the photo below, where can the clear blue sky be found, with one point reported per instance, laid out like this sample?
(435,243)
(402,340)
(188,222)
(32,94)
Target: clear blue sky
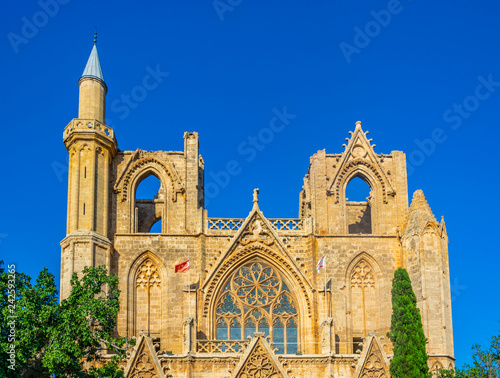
(409,70)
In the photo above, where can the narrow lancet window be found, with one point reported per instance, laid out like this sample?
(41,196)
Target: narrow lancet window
(358,207)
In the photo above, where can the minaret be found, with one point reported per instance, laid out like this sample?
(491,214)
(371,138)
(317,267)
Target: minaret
(91,146)
(93,89)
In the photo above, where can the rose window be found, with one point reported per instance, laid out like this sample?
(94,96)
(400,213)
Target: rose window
(256,299)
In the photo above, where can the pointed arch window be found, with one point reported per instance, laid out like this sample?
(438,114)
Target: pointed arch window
(256,299)
(363,299)
(149,204)
(358,206)
(148,299)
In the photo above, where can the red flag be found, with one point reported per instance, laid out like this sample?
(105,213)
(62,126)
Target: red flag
(182,267)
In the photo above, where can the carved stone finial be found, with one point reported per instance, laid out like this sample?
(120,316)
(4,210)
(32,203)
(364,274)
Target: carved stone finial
(358,123)
(419,202)
(256,197)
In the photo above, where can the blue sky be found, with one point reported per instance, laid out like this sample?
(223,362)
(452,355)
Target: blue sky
(423,77)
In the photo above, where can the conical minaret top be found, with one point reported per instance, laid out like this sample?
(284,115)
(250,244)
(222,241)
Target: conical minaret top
(93,67)
(93,89)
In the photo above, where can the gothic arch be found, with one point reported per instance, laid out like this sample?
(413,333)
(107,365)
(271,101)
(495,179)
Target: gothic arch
(436,367)
(363,256)
(363,280)
(365,170)
(432,227)
(360,219)
(84,146)
(143,167)
(257,298)
(260,252)
(146,281)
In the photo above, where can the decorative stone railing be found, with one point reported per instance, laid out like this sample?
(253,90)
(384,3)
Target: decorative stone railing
(282,224)
(82,125)
(234,224)
(221,346)
(224,224)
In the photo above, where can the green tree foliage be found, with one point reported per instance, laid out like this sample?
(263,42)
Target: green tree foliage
(445,373)
(407,335)
(53,339)
(485,363)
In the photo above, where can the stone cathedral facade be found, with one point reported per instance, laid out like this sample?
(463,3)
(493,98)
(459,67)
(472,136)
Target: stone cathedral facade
(253,303)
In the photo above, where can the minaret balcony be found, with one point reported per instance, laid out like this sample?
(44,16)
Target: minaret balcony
(81,127)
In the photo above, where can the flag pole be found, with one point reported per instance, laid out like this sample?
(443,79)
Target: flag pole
(326,304)
(189,286)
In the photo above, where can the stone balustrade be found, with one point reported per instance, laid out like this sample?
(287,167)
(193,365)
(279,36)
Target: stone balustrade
(84,125)
(221,346)
(234,224)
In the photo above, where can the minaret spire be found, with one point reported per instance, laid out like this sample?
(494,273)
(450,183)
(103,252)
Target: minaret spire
(93,67)
(93,88)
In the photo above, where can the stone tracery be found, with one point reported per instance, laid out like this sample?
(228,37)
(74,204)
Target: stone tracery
(144,368)
(374,367)
(363,298)
(259,365)
(255,299)
(362,275)
(243,254)
(148,274)
(148,298)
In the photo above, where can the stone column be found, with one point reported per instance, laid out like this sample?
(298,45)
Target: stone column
(189,336)
(328,336)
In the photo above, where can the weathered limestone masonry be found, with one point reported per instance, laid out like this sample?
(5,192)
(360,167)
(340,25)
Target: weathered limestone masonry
(253,303)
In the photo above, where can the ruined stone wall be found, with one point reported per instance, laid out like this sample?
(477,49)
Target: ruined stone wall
(339,306)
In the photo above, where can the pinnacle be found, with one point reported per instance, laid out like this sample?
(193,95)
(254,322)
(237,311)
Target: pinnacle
(418,195)
(419,201)
(420,211)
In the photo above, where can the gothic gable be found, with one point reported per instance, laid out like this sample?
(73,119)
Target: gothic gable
(255,238)
(259,361)
(373,362)
(143,362)
(360,159)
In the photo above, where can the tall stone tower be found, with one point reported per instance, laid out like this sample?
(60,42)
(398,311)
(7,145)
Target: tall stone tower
(91,146)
